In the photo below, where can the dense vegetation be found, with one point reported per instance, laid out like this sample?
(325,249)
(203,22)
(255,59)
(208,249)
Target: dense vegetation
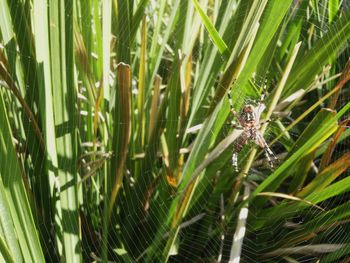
(116,136)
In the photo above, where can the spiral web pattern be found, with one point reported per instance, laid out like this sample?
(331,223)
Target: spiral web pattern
(205,227)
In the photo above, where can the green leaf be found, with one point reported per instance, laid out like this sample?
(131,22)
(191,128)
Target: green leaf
(327,176)
(218,41)
(64,143)
(14,198)
(4,252)
(311,62)
(333,9)
(279,175)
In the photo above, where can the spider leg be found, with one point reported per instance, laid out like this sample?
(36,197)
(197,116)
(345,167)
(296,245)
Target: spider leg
(268,153)
(231,103)
(264,91)
(235,161)
(237,127)
(264,121)
(273,118)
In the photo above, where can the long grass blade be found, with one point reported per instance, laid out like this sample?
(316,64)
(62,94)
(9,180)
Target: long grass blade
(218,41)
(15,198)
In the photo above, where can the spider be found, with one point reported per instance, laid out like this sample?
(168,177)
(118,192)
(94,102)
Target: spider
(249,121)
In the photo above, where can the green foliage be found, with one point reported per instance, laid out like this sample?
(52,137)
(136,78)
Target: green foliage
(116,141)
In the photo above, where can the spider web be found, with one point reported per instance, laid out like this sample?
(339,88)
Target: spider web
(204,226)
